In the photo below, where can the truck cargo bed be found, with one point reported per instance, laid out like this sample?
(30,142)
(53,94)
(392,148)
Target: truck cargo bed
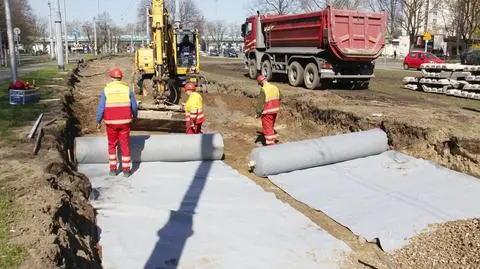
(349,34)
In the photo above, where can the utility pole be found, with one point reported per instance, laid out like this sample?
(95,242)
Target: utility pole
(109,41)
(95,34)
(58,26)
(1,48)
(11,45)
(65,30)
(148,27)
(52,51)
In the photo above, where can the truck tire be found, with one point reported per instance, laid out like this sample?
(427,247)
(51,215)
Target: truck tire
(267,69)
(252,69)
(311,77)
(295,74)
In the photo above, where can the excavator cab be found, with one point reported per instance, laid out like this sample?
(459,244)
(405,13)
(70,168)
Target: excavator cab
(187,55)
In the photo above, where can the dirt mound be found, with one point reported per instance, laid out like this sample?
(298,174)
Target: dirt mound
(450,245)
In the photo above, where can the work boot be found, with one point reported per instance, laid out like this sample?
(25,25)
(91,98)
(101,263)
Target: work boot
(127,173)
(112,173)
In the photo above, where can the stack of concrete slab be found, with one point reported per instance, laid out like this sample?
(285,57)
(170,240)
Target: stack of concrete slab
(450,79)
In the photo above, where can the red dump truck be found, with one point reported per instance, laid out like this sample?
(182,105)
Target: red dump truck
(315,49)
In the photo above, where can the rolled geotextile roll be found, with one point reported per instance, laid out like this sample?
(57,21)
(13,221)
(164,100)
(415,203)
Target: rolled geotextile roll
(305,154)
(154,148)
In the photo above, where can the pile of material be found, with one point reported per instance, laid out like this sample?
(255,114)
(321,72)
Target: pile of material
(450,79)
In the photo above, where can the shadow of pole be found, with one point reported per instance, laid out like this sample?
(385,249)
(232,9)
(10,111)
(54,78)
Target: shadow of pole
(174,235)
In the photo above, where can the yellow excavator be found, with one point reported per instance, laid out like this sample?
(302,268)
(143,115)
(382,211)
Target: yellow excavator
(170,59)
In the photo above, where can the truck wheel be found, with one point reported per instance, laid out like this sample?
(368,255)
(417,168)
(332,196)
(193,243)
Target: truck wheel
(252,69)
(267,69)
(295,74)
(311,78)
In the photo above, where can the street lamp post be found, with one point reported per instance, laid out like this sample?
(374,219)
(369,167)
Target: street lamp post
(11,45)
(65,30)
(58,26)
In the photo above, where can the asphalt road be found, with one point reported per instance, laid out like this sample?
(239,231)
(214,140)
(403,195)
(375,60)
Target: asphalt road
(5,73)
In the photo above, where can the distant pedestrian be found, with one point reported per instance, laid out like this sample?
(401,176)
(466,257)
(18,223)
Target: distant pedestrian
(394,54)
(268,106)
(117,108)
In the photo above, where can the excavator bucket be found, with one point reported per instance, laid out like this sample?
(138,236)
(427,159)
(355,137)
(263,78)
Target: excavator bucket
(161,118)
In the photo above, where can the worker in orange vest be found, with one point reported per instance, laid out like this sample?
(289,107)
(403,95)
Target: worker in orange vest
(193,110)
(268,106)
(117,108)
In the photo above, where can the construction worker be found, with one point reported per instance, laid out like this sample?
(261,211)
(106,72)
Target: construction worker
(117,108)
(193,110)
(268,105)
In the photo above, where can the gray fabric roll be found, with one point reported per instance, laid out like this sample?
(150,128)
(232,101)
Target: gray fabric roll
(305,154)
(154,148)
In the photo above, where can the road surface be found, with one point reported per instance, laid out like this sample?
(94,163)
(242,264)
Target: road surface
(5,73)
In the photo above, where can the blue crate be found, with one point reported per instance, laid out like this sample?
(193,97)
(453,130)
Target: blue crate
(22,97)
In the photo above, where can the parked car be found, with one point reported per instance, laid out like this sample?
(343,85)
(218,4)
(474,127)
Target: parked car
(415,58)
(230,52)
(214,53)
(471,57)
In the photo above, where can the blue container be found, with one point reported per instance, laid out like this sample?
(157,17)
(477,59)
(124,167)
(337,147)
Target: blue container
(22,97)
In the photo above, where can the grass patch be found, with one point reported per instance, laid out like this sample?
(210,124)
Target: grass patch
(11,255)
(12,117)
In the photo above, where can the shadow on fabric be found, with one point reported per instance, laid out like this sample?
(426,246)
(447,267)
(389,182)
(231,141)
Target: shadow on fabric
(174,235)
(137,145)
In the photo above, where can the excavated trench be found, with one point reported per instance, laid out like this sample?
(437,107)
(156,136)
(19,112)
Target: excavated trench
(73,222)
(73,232)
(454,152)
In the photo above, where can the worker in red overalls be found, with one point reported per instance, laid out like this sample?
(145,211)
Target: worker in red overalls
(117,108)
(193,110)
(268,106)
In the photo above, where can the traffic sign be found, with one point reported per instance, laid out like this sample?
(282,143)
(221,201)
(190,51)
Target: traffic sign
(16,30)
(427,36)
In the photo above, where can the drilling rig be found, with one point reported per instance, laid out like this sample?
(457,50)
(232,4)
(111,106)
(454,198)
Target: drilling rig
(164,66)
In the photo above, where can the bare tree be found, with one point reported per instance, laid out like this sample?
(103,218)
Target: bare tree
(216,30)
(312,5)
(393,10)
(22,17)
(412,19)
(190,15)
(468,20)
(41,29)
(87,29)
(279,7)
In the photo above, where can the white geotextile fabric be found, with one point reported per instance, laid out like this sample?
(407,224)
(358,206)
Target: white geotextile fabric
(224,221)
(391,196)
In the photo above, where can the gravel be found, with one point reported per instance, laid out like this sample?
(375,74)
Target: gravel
(454,244)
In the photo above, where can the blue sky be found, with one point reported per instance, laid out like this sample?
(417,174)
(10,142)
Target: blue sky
(124,11)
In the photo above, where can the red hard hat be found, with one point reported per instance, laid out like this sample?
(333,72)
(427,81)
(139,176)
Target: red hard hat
(190,87)
(261,78)
(116,73)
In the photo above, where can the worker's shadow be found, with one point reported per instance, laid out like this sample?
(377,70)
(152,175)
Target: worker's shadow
(174,235)
(137,145)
